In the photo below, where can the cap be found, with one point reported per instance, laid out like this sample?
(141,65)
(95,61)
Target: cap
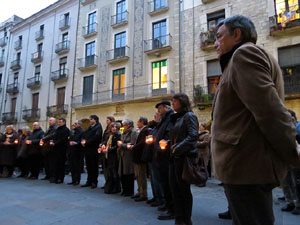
(163,102)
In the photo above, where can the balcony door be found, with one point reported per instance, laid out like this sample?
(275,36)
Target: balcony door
(121,11)
(62,66)
(61,97)
(65,38)
(89,54)
(87,95)
(159,34)
(118,83)
(120,45)
(35,104)
(91,23)
(13,106)
(159,76)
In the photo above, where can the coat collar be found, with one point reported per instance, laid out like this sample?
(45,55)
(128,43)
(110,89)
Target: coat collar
(224,60)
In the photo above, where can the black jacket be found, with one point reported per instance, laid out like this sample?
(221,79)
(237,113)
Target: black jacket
(61,138)
(49,135)
(112,159)
(93,137)
(140,145)
(184,134)
(35,138)
(76,136)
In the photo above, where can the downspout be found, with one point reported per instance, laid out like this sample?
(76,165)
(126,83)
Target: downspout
(193,47)
(181,42)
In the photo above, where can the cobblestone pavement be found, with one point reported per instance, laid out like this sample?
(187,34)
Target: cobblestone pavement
(36,202)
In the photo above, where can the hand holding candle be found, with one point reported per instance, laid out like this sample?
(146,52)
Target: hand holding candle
(119,143)
(83,142)
(28,142)
(129,146)
(163,144)
(99,150)
(41,142)
(149,139)
(16,141)
(52,143)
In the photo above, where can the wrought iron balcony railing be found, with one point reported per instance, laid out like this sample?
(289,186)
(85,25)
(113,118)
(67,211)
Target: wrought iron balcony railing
(62,47)
(37,57)
(89,62)
(12,88)
(202,95)
(9,117)
(207,40)
(90,30)
(117,54)
(39,35)
(16,64)
(119,19)
(64,23)
(3,41)
(18,44)
(158,44)
(60,75)
(31,114)
(34,82)
(57,110)
(291,84)
(85,2)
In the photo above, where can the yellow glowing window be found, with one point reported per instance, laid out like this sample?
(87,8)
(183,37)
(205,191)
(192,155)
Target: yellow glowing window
(119,81)
(159,74)
(287,10)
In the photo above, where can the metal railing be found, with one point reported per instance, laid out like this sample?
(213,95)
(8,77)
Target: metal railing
(9,117)
(127,93)
(88,61)
(18,44)
(207,39)
(62,46)
(64,23)
(37,56)
(157,5)
(12,88)
(85,2)
(119,18)
(117,53)
(39,35)
(90,29)
(203,95)
(34,81)
(57,110)
(1,61)
(158,42)
(3,41)
(30,114)
(59,74)
(16,64)
(291,84)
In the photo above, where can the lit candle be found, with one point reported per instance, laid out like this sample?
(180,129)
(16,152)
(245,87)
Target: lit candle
(99,150)
(83,142)
(163,144)
(27,142)
(41,142)
(149,139)
(129,146)
(119,143)
(16,141)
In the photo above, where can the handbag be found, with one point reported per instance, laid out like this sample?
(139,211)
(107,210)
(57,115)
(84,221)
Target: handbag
(194,171)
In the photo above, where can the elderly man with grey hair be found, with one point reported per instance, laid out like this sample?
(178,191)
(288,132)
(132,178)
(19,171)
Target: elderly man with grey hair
(76,152)
(126,168)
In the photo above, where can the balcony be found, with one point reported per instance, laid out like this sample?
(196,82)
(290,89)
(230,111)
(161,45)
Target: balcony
(16,64)
(127,94)
(34,82)
(9,118)
(3,41)
(57,110)
(37,57)
(85,2)
(60,75)
(31,115)
(88,63)
(158,7)
(286,22)
(64,24)
(202,96)
(1,61)
(18,44)
(158,45)
(207,40)
(119,19)
(90,30)
(39,35)
(62,47)
(12,88)
(117,55)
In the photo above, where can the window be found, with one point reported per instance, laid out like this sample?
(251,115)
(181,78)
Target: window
(19,56)
(2,54)
(159,4)
(66,18)
(118,82)
(289,61)
(159,74)
(214,73)
(35,104)
(16,77)
(87,95)
(40,47)
(91,23)
(37,72)
(90,53)
(213,19)
(159,34)
(61,97)
(62,66)
(120,44)
(0,78)
(121,11)
(65,38)
(287,10)
(13,106)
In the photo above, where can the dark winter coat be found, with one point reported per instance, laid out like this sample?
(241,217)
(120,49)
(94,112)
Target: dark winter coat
(112,156)
(35,137)
(8,152)
(61,138)
(76,136)
(47,137)
(93,137)
(140,146)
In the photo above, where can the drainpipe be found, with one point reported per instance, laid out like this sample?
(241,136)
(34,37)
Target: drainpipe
(181,42)
(193,47)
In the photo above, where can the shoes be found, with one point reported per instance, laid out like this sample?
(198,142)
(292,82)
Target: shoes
(45,178)
(93,186)
(76,183)
(166,216)
(225,215)
(59,182)
(52,180)
(71,183)
(103,187)
(296,211)
(128,194)
(22,175)
(32,178)
(156,204)
(288,208)
(162,208)
(150,201)
(141,199)
(86,185)
(135,196)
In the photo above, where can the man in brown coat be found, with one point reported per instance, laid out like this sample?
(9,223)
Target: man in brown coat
(253,137)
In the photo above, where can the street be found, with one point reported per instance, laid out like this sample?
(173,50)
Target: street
(36,202)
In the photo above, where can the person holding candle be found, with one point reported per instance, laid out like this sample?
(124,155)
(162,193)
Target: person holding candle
(92,137)
(76,152)
(47,150)
(183,143)
(8,151)
(34,150)
(22,156)
(126,169)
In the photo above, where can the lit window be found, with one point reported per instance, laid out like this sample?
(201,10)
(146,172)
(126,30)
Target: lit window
(119,82)
(287,10)
(159,74)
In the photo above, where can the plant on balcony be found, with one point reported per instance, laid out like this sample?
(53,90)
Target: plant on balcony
(207,38)
(200,96)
